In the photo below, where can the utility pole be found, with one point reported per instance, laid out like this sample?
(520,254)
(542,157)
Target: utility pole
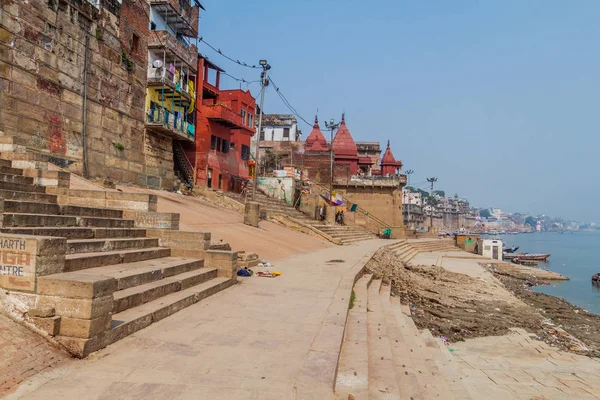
(431,180)
(264,81)
(408,173)
(331,126)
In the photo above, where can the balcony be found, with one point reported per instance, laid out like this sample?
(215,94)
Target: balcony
(223,115)
(163,40)
(179,15)
(167,123)
(159,77)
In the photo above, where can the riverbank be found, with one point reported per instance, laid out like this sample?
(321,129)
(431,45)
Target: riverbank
(461,299)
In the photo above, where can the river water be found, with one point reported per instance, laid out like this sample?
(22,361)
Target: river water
(575,255)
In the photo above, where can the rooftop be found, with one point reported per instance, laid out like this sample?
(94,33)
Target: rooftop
(279,120)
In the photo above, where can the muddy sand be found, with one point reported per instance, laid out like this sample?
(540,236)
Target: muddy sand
(461,307)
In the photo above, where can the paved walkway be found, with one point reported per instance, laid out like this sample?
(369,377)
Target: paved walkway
(248,342)
(23,354)
(518,366)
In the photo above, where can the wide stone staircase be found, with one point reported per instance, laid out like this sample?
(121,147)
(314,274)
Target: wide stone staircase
(385,356)
(406,250)
(98,277)
(342,234)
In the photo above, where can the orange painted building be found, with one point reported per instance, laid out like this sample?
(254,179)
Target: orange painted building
(224,127)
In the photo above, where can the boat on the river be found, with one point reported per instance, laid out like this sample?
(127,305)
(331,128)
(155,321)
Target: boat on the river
(596,278)
(526,256)
(510,250)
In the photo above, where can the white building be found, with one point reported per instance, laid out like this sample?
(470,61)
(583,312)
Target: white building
(279,128)
(409,197)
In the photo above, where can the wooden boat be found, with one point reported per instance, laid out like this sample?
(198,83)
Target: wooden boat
(596,278)
(538,257)
(520,261)
(512,249)
(510,256)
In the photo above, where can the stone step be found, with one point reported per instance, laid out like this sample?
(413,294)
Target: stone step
(20,179)
(5,163)
(353,366)
(10,170)
(382,375)
(33,220)
(138,295)
(99,222)
(30,207)
(91,212)
(77,262)
(142,272)
(27,196)
(76,232)
(355,240)
(20,187)
(445,363)
(102,245)
(418,375)
(40,220)
(130,321)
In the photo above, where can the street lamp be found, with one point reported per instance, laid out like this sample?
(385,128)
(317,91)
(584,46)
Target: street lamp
(408,173)
(264,81)
(331,126)
(431,180)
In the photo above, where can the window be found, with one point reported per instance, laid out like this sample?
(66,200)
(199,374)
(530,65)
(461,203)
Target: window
(262,135)
(219,143)
(209,178)
(245,152)
(213,142)
(152,26)
(286,133)
(250,116)
(243,116)
(135,43)
(225,146)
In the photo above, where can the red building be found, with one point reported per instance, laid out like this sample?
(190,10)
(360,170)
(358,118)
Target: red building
(224,126)
(346,153)
(389,165)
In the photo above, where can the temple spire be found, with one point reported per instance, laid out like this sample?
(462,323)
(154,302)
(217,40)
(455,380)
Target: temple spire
(316,125)
(344,117)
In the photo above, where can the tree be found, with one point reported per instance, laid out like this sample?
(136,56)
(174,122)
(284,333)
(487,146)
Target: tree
(485,213)
(530,221)
(440,193)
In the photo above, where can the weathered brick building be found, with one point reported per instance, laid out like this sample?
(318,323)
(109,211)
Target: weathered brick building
(73,78)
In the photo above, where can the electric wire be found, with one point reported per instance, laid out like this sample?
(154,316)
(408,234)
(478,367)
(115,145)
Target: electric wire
(243,64)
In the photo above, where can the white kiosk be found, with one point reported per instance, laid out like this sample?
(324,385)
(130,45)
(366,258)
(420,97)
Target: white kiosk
(490,248)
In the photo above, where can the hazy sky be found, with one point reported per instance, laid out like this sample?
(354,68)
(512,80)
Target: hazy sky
(498,99)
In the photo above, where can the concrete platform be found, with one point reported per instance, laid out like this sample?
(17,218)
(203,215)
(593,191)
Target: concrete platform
(252,341)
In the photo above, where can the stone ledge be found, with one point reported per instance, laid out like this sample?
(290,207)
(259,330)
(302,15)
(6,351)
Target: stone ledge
(318,374)
(76,285)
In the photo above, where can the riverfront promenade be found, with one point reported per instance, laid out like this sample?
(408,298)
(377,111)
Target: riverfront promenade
(252,341)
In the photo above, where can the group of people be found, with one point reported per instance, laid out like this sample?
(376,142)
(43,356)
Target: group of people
(339,216)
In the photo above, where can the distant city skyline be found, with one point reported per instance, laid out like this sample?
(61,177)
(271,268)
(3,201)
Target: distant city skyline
(498,99)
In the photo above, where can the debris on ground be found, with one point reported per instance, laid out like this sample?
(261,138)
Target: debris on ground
(460,307)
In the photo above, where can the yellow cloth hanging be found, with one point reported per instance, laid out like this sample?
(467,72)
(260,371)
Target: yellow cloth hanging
(192,96)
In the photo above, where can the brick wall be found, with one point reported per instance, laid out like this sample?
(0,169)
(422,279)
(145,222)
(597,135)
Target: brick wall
(42,55)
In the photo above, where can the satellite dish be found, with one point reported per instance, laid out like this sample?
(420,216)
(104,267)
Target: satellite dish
(157,64)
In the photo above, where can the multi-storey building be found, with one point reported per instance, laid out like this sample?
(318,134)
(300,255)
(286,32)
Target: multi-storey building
(171,93)
(220,154)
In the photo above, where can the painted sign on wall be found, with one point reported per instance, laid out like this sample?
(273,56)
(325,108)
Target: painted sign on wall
(277,188)
(17,264)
